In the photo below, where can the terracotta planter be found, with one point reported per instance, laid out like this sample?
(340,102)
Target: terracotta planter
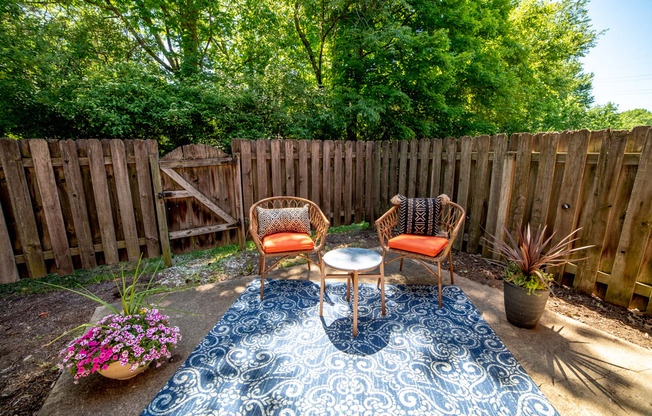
(523,309)
(118,371)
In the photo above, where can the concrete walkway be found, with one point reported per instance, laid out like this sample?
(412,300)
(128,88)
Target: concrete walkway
(581,370)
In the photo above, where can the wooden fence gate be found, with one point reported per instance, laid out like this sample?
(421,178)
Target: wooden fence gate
(199,193)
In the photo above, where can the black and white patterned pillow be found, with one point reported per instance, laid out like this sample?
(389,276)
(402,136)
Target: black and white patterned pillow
(419,216)
(283,220)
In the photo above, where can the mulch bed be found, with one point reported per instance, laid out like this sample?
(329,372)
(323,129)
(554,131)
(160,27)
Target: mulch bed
(28,368)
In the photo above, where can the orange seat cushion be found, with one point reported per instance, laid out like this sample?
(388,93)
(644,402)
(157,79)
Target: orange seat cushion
(281,242)
(421,244)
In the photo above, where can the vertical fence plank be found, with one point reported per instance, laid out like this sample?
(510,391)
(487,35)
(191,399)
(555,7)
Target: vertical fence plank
(375,200)
(359,181)
(303,169)
(499,144)
(636,230)
(619,204)
(161,217)
(521,181)
(37,203)
(402,168)
(147,209)
(247,184)
(464,184)
(545,176)
(197,215)
(412,172)
(424,165)
(349,174)
(239,203)
(337,178)
(478,194)
(113,196)
(51,207)
(277,186)
(124,199)
(450,144)
(506,182)
(369,182)
(393,172)
(8,270)
(384,178)
(315,189)
(289,167)
(22,207)
(261,168)
(435,170)
(569,194)
(327,179)
(594,222)
(176,208)
(102,202)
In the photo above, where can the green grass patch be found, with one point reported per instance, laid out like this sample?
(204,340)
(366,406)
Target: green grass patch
(81,277)
(215,254)
(349,228)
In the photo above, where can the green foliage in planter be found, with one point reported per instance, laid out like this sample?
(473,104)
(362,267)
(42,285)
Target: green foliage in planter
(538,280)
(527,256)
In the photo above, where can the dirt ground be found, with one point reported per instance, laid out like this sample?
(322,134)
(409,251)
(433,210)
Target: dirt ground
(28,368)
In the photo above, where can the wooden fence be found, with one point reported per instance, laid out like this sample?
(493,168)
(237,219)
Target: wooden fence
(599,180)
(71,204)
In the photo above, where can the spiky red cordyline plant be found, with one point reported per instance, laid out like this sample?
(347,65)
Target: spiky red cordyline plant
(529,254)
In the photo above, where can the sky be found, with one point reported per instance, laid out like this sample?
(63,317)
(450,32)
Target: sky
(622,59)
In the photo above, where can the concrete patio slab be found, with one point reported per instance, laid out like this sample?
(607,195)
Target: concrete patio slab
(581,370)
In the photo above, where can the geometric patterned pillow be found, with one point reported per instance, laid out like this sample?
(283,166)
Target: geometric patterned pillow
(418,216)
(288,220)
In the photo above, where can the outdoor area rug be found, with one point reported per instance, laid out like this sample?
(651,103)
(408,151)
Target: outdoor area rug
(278,357)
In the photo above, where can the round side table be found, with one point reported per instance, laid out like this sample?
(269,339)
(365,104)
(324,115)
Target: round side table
(353,261)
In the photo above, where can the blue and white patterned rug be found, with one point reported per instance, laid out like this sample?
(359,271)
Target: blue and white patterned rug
(278,357)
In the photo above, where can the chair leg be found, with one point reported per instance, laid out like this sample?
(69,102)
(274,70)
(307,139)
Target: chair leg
(260,264)
(450,263)
(323,284)
(382,267)
(262,277)
(439,281)
(400,268)
(381,281)
(308,257)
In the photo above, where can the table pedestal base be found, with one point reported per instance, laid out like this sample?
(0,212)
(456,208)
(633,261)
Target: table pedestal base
(353,276)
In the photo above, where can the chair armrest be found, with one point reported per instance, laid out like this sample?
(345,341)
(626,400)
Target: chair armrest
(452,220)
(256,238)
(321,224)
(385,224)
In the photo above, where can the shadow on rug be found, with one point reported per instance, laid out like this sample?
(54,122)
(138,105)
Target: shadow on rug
(278,357)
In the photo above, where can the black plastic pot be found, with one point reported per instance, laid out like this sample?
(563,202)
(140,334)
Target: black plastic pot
(524,309)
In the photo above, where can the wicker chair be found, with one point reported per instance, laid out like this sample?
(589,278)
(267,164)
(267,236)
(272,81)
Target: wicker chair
(450,221)
(318,222)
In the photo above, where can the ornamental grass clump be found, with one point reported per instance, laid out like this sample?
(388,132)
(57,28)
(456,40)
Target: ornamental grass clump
(527,257)
(134,336)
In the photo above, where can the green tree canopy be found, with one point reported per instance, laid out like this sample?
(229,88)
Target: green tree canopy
(195,70)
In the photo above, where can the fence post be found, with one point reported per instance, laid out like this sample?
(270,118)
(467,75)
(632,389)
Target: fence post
(239,202)
(161,218)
